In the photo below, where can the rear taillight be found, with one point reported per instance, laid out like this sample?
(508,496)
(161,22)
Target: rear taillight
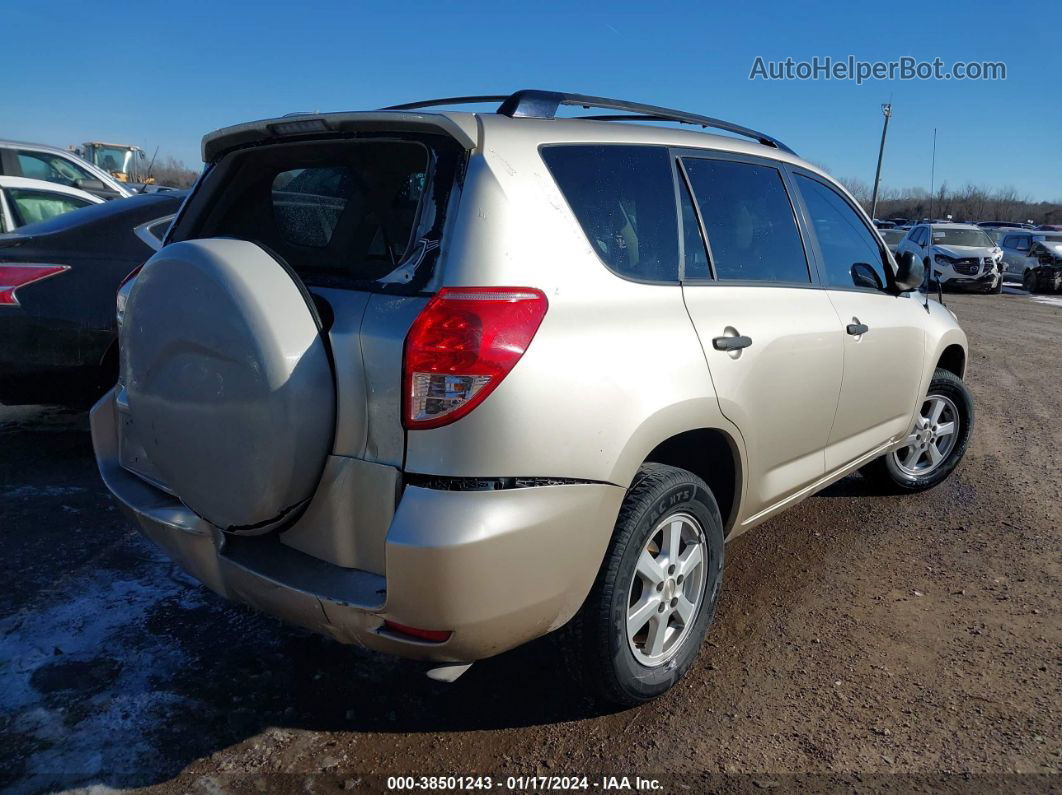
(122,298)
(12,277)
(461,346)
(130,276)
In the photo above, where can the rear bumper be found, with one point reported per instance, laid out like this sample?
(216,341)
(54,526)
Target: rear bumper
(495,568)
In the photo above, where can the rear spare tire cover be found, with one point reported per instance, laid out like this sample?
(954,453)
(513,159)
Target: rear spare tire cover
(229,383)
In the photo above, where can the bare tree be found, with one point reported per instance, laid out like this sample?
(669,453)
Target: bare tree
(170,171)
(860,191)
(972,203)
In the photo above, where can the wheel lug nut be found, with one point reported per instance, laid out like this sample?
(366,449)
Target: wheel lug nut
(661,608)
(660,586)
(678,580)
(674,601)
(671,569)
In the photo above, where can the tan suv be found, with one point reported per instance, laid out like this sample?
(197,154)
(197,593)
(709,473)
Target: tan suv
(439,383)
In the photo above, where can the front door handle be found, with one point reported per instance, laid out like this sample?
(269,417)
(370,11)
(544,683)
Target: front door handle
(855,329)
(731,343)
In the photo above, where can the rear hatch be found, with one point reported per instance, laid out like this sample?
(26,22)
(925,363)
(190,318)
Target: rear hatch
(261,349)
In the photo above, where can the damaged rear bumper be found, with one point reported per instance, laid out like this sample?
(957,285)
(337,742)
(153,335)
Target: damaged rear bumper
(494,568)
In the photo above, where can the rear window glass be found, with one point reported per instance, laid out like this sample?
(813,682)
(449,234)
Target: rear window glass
(340,213)
(307,203)
(624,199)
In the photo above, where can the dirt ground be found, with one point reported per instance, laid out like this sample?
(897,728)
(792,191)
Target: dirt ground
(863,642)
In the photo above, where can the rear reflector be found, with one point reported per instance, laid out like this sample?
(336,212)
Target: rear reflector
(12,277)
(461,346)
(429,635)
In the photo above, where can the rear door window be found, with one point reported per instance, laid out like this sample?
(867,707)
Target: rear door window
(624,200)
(752,230)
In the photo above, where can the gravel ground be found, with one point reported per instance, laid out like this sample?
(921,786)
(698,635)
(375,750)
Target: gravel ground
(862,642)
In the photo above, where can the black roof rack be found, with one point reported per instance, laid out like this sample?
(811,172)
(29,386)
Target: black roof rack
(532,103)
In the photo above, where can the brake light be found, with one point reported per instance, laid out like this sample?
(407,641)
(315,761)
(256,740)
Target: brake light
(122,298)
(130,276)
(12,277)
(461,346)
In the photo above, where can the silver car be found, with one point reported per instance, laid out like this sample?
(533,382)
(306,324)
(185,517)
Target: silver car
(439,383)
(1034,258)
(51,164)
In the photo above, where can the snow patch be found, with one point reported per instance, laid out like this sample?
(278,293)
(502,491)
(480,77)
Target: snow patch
(79,730)
(1047,299)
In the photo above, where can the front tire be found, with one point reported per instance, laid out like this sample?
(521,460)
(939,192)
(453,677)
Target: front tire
(935,445)
(641,627)
(1028,281)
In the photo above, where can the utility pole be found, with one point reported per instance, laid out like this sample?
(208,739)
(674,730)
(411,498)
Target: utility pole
(886,109)
(932,174)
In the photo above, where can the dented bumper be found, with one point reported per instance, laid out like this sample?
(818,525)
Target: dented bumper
(494,568)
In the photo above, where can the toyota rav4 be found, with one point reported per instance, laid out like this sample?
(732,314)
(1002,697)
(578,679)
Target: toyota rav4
(439,383)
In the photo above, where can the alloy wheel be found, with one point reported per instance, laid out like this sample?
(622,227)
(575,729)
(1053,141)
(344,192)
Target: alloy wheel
(667,589)
(933,438)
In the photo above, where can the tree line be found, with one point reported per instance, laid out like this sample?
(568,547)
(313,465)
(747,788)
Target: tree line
(971,203)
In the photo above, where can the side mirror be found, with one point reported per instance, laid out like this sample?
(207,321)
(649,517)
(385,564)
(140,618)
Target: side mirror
(910,272)
(865,276)
(90,184)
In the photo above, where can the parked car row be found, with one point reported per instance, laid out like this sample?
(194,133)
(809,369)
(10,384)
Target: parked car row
(983,256)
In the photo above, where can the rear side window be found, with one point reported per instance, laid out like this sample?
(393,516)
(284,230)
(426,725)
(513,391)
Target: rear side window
(752,231)
(340,213)
(624,199)
(844,240)
(34,206)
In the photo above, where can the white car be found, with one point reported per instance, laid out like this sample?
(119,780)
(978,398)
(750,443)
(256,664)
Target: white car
(957,255)
(51,164)
(27,201)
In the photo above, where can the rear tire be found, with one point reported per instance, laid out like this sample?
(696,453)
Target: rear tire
(669,520)
(932,452)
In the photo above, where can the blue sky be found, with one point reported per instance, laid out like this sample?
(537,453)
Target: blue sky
(164,73)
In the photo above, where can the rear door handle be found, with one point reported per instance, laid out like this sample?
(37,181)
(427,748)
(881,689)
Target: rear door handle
(731,343)
(855,329)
